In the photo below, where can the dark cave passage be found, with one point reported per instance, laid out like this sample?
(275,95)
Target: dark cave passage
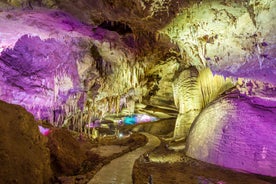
(118,27)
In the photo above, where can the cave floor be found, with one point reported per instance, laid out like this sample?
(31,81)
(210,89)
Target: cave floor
(120,170)
(193,172)
(162,166)
(188,171)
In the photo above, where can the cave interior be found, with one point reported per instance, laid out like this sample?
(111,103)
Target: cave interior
(199,75)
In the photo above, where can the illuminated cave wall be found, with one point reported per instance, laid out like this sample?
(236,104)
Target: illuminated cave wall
(238,132)
(62,70)
(56,64)
(44,61)
(193,91)
(232,38)
(236,40)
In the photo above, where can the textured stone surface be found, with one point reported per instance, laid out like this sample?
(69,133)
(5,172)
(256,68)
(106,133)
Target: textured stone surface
(141,51)
(159,84)
(67,156)
(24,157)
(141,15)
(44,63)
(236,132)
(54,62)
(185,96)
(161,127)
(234,38)
(193,91)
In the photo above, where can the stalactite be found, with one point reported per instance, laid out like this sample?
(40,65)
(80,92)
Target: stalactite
(58,119)
(88,130)
(134,79)
(113,105)
(118,104)
(212,85)
(51,116)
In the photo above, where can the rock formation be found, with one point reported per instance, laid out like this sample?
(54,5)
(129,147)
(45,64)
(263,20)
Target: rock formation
(24,157)
(71,62)
(236,132)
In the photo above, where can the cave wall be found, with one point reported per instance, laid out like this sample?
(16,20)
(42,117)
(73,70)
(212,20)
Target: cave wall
(61,69)
(73,69)
(233,38)
(44,63)
(238,132)
(110,70)
(193,90)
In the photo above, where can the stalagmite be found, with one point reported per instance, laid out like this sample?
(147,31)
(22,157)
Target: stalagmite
(192,92)
(186,95)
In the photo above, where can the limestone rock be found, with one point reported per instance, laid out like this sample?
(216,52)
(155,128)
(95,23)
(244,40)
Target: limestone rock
(237,132)
(24,157)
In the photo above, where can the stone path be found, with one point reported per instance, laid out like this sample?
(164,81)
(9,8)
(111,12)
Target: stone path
(119,171)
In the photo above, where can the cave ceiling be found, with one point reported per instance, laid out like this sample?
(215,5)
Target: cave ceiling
(106,55)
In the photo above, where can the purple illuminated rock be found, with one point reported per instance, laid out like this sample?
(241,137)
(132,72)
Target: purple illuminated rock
(53,62)
(43,64)
(39,74)
(251,70)
(237,132)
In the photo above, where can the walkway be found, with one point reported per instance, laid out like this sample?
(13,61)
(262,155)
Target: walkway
(119,170)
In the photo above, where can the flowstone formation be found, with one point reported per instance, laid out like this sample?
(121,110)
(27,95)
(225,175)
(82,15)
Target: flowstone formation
(236,41)
(193,91)
(239,134)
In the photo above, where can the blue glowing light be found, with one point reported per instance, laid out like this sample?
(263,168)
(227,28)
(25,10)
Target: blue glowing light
(138,118)
(130,120)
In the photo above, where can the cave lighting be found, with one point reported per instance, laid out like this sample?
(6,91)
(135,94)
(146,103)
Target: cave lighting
(138,118)
(121,135)
(44,131)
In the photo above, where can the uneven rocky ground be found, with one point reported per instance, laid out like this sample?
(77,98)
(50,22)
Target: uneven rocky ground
(164,166)
(26,156)
(77,160)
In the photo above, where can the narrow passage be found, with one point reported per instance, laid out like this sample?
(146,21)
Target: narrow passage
(119,171)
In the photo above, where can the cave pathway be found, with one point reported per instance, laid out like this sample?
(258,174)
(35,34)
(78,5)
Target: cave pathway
(119,170)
